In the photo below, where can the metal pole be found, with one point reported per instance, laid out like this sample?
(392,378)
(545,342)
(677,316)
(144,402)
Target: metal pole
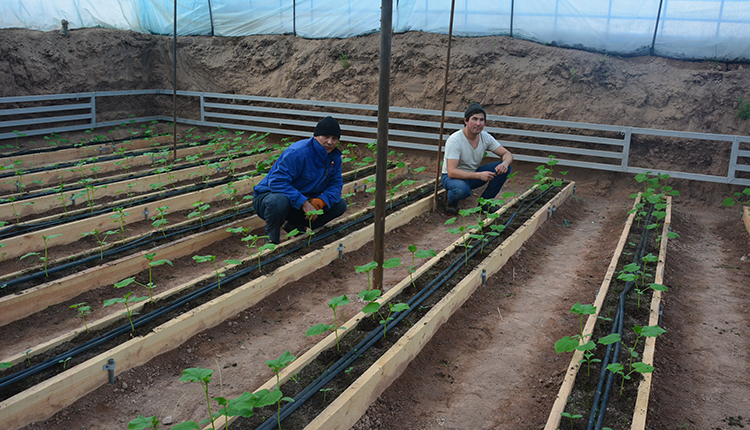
(381,170)
(294,17)
(656,27)
(512,7)
(442,116)
(211,17)
(174,86)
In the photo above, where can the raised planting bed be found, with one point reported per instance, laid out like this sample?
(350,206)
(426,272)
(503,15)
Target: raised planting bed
(595,395)
(439,287)
(35,299)
(24,298)
(121,192)
(44,399)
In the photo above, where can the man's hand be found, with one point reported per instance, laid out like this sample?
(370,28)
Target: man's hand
(486,176)
(501,168)
(318,203)
(308,207)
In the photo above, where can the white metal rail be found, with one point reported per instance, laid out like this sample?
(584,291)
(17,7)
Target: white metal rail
(584,145)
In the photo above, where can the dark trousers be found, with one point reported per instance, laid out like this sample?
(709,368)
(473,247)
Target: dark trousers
(275,209)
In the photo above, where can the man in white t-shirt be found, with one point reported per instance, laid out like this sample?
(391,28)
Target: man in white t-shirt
(462,166)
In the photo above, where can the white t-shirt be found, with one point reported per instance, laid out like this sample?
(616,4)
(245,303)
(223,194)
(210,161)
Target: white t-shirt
(457,147)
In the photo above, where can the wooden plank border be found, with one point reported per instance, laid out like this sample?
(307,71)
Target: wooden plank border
(42,401)
(746,217)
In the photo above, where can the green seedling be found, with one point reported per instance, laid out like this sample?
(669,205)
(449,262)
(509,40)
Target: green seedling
(317,329)
(276,365)
(101,241)
(6,365)
(619,369)
(398,307)
(2,245)
(417,253)
(65,362)
(367,268)
(310,215)
(463,229)
(61,190)
(203,377)
(16,213)
(212,259)
(151,265)
(231,192)
(200,208)
(578,341)
(161,219)
(370,296)
(82,309)
(344,60)
(325,391)
(573,416)
(119,218)
(743,109)
(46,243)
(129,191)
(742,198)
(126,300)
(28,356)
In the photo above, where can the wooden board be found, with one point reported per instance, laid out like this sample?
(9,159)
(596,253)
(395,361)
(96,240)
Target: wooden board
(65,155)
(27,302)
(125,186)
(43,400)
(346,410)
(644,388)
(330,341)
(553,421)
(746,218)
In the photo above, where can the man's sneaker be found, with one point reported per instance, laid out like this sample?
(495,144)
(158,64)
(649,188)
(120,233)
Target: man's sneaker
(451,209)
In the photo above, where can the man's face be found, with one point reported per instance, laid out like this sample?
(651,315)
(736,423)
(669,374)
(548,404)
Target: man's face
(328,142)
(475,123)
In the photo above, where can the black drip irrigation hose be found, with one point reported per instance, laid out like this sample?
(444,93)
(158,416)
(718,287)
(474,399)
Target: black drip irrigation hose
(58,148)
(16,230)
(30,371)
(114,156)
(145,240)
(374,336)
(602,393)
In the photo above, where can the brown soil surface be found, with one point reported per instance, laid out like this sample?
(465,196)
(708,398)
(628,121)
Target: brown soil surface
(492,365)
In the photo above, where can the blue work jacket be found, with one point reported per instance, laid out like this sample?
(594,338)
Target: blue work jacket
(305,170)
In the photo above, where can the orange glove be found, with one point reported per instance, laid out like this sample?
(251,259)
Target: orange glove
(318,204)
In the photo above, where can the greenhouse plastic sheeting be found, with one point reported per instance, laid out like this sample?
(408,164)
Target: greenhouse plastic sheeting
(689,29)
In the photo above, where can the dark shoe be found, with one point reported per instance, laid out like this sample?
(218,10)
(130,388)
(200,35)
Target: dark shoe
(288,227)
(451,209)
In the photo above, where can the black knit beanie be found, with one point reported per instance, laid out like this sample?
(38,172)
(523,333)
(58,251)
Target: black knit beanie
(328,127)
(472,109)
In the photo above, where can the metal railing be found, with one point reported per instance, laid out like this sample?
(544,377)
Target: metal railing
(574,144)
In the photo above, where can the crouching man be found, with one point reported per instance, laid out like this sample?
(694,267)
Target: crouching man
(305,178)
(462,168)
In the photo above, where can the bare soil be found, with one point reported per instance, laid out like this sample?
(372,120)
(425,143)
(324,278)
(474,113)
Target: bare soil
(492,365)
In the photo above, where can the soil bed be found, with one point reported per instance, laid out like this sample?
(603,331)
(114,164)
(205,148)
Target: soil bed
(619,412)
(270,264)
(320,400)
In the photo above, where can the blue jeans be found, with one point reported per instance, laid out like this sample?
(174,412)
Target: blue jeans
(275,209)
(459,189)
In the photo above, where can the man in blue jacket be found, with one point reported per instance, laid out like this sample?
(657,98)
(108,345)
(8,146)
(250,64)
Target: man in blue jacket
(306,177)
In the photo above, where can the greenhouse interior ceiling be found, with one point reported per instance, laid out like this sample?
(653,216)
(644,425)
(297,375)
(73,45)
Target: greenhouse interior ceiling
(684,29)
